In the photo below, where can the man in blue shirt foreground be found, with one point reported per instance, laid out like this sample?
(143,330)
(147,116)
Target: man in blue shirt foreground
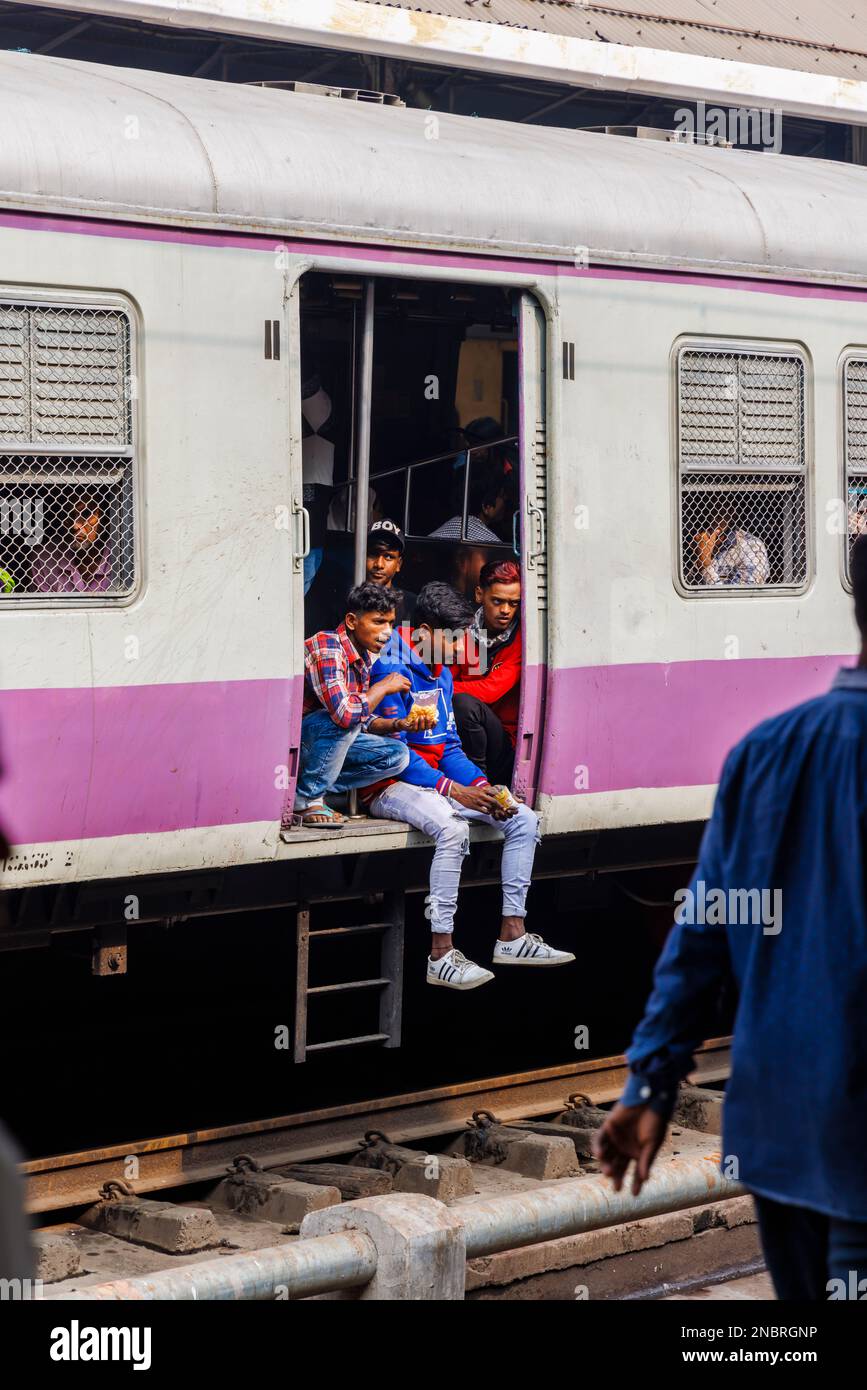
(441,790)
(779,897)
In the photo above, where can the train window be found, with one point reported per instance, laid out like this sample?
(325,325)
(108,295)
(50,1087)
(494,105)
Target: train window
(855,449)
(742,468)
(66,453)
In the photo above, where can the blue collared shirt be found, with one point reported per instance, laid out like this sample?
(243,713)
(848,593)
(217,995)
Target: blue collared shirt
(779,899)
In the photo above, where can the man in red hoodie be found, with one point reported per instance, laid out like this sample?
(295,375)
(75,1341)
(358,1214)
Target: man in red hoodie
(487,693)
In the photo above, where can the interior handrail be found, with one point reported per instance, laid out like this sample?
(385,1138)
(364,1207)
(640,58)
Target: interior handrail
(408,468)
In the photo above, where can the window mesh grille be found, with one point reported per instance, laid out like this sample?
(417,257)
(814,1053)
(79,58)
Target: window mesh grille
(855,436)
(742,469)
(66,452)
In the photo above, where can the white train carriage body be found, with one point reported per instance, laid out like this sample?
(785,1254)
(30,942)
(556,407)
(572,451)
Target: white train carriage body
(145,727)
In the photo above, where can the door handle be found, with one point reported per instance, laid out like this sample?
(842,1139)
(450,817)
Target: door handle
(538,516)
(301,555)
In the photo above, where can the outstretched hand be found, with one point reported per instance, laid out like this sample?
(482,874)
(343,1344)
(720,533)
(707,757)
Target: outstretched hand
(632,1133)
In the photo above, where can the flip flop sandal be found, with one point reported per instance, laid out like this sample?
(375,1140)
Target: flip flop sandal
(333,819)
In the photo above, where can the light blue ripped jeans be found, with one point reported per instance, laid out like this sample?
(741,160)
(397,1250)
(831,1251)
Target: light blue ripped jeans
(446,821)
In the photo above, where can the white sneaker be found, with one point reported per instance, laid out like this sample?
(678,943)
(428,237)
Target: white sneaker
(456,972)
(529,949)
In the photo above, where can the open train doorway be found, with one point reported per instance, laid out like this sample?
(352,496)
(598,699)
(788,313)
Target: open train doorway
(423,404)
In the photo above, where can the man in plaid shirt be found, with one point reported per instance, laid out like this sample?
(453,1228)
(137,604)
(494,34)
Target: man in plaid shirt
(342,743)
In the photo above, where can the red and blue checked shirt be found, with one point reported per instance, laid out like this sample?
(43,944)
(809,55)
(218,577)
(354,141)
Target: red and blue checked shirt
(337,678)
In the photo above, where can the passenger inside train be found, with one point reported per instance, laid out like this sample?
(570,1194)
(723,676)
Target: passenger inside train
(487,689)
(56,547)
(857,511)
(440,790)
(490,505)
(385,548)
(728,553)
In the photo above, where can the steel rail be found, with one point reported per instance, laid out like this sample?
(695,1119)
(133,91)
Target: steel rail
(177,1160)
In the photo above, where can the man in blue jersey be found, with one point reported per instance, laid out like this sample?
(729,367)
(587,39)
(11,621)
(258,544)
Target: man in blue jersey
(779,898)
(441,791)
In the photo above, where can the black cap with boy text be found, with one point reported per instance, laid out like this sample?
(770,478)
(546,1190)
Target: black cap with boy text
(386,533)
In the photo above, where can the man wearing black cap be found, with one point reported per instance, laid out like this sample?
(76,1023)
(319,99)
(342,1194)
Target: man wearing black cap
(385,547)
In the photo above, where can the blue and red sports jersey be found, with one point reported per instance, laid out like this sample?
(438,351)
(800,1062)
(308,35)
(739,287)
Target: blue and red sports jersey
(437,758)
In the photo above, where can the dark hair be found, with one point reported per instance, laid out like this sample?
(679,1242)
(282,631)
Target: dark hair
(372,598)
(499,572)
(439,605)
(488,484)
(483,431)
(858,572)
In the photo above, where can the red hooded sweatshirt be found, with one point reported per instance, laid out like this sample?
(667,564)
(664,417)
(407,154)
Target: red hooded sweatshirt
(499,687)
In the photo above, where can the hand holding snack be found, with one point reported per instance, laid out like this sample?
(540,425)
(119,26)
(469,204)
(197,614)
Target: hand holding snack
(507,806)
(414,721)
(424,708)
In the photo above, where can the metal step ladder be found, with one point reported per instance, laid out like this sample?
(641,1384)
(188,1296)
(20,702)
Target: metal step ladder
(390,909)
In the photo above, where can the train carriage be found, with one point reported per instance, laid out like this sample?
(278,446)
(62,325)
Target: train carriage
(689,333)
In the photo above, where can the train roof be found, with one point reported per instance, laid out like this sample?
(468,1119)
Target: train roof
(147,146)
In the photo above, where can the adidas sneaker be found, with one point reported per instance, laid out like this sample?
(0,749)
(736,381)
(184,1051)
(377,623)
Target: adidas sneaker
(456,972)
(529,949)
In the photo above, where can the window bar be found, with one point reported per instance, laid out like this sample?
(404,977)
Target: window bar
(353,413)
(362,456)
(464,517)
(407,496)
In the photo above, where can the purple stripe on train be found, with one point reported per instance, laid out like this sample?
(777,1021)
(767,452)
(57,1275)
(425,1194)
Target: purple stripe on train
(130,229)
(127,760)
(613,728)
(124,760)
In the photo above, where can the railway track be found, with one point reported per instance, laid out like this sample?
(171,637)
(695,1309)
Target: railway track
(175,1203)
(177,1160)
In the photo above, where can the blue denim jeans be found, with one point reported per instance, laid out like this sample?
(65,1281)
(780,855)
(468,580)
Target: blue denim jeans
(311,566)
(335,759)
(447,823)
(810,1256)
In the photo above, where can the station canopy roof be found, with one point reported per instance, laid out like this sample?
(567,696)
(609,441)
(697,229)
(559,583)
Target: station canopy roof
(825,36)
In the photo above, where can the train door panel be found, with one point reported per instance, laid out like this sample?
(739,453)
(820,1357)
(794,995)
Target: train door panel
(532,516)
(296,518)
